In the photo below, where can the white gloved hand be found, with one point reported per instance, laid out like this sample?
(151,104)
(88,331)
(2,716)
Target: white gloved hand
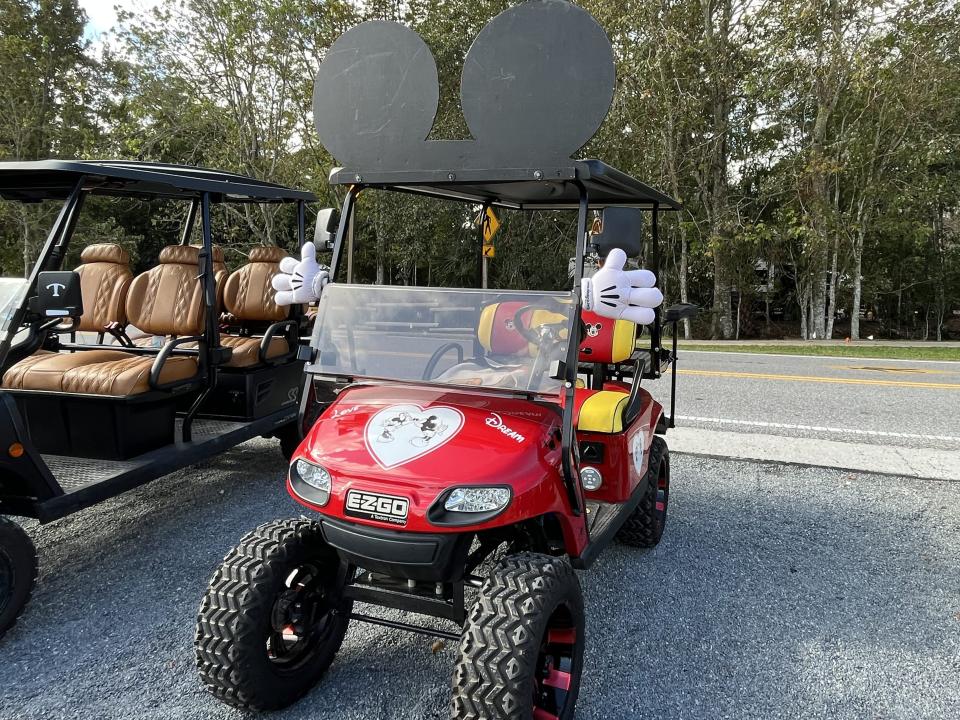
(621,294)
(300,281)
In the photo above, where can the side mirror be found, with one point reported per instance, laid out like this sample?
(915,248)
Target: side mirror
(328,220)
(680,311)
(58,295)
(622,228)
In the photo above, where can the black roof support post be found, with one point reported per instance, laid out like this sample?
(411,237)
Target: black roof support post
(345,213)
(655,330)
(571,474)
(301,223)
(346,218)
(210,341)
(189,223)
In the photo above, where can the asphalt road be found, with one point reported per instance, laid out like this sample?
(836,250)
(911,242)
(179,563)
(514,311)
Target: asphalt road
(777,592)
(892,402)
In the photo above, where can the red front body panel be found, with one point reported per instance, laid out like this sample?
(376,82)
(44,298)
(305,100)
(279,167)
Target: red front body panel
(416,442)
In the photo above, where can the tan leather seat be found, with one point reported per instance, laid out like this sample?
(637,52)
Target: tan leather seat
(45,370)
(128,375)
(220,274)
(165,300)
(168,299)
(104,281)
(249,297)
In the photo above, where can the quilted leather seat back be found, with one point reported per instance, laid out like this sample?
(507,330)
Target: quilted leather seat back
(104,281)
(168,299)
(248,294)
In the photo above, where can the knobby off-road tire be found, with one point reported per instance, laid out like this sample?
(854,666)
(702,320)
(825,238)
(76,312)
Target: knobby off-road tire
(18,572)
(644,527)
(270,622)
(522,646)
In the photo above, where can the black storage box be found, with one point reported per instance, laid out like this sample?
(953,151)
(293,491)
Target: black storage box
(97,427)
(254,393)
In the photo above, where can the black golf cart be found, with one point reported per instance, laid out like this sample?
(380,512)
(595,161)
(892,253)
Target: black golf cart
(110,379)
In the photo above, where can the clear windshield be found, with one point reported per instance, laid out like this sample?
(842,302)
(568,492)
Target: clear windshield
(12,291)
(500,339)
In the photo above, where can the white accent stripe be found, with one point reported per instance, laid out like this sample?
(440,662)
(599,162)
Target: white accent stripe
(721,351)
(817,428)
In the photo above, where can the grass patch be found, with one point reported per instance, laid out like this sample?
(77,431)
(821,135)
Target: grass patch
(895,352)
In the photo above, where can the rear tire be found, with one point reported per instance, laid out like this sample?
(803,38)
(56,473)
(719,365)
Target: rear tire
(292,435)
(644,527)
(271,622)
(522,646)
(18,572)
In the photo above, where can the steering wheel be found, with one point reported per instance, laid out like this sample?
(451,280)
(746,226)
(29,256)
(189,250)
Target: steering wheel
(545,338)
(439,353)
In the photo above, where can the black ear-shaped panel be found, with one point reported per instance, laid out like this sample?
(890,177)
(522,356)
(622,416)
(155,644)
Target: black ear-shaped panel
(536,84)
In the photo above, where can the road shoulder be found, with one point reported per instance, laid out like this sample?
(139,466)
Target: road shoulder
(923,463)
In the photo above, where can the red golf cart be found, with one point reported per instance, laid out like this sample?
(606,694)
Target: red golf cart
(465,449)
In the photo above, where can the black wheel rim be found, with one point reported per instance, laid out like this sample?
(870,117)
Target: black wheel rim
(301,621)
(8,580)
(555,670)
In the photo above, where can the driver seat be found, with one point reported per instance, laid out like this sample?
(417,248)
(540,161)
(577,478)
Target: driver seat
(105,278)
(505,349)
(498,334)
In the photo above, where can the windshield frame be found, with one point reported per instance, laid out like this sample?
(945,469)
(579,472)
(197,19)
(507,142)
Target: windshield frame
(48,258)
(342,373)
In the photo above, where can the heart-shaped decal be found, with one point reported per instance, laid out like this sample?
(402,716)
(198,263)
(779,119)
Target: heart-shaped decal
(401,433)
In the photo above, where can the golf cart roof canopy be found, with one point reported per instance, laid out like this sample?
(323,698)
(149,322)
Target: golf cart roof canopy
(532,189)
(56,179)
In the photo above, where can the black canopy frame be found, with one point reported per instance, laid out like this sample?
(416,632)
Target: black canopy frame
(55,180)
(583,186)
(72,181)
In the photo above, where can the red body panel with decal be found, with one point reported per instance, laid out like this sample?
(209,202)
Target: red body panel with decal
(625,454)
(416,442)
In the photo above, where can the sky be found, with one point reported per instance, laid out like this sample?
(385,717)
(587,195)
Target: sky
(102,14)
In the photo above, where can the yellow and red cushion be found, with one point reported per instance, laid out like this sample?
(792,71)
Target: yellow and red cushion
(497,329)
(599,411)
(606,340)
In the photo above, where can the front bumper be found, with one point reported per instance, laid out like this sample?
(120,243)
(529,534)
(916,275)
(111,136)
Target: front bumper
(429,557)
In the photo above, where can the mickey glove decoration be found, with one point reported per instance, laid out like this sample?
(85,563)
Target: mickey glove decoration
(300,281)
(621,294)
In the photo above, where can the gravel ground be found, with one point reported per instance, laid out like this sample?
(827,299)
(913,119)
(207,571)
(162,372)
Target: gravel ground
(777,592)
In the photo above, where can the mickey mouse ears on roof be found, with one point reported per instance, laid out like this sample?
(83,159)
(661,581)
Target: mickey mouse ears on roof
(536,85)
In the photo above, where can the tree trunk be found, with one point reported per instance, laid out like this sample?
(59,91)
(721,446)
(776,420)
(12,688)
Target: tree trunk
(684,297)
(28,258)
(857,287)
(803,300)
(941,280)
(721,305)
(818,300)
(832,297)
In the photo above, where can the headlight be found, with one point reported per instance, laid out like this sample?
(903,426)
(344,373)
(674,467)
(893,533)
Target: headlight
(314,476)
(590,478)
(477,499)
